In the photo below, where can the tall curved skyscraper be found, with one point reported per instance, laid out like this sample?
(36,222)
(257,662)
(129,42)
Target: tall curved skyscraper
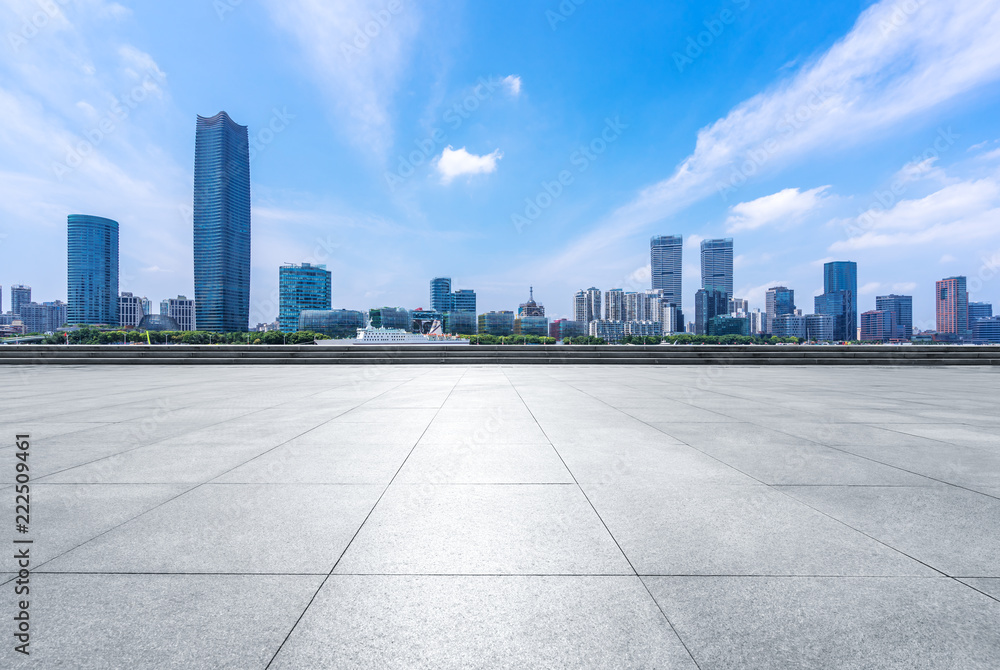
(221,224)
(92,270)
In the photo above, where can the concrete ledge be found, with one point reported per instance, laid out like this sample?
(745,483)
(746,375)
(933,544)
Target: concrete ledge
(508,355)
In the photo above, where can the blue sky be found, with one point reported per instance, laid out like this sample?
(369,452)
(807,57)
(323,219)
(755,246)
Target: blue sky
(807,131)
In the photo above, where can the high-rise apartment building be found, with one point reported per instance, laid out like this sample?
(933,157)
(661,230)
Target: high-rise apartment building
(778,302)
(900,308)
(587,306)
(45,318)
(19,295)
(302,287)
(839,298)
(717,266)
(614,305)
(221,224)
(92,270)
(130,310)
(952,303)
(666,264)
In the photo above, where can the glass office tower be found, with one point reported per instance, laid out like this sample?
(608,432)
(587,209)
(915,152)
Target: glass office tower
(441,297)
(717,266)
(221,225)
(302,287)
(901,309)
(780,301)
(92,270)
(666,263)
(840,298)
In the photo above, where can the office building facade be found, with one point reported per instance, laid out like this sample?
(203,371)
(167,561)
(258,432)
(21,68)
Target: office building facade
(496,323)
(789,325)
(560,329)
(979,310)
(130,310)
(302,287)
(336,323)
(221,225)
(92,270)
(987,330)
(839,298)
(464,300)
(390,317)
(876,326)
(532,325)
(666,256)
(819,327)
(726,324)
(779,301)
(608,330)
(708,304)
(47,317)
(900,308)
(181,309)
(441,299)
(717,266)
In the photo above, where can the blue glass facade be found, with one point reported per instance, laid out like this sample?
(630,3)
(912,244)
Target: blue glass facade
(666,254)
(92,270)
(464,300)
(337,323)
(840,298)
(901,309)
(221,225)
(441,297)
(301,287)
(717,266)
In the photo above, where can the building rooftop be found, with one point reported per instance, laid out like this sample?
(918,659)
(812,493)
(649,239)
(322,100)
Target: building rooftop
(452,517)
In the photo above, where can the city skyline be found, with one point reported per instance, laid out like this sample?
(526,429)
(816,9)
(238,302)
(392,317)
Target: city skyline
(845,179)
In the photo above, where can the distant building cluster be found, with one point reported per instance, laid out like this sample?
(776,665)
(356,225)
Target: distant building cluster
(221,302)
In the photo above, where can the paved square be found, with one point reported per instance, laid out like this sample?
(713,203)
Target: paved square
(444,516)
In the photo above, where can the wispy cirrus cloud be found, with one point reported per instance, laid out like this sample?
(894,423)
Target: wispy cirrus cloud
(357,52)
(886,69)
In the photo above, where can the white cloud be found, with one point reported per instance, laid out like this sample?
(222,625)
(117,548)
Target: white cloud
(948,258)
(356,60)
(513,84)
(868,81)
(457,162)
(870,288)
(959,212)
(783,208)
(904,287)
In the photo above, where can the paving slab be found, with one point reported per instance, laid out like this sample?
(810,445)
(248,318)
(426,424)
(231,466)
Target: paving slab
(821,622)
(160,621)
(736,530)
(230,528)
(480,529)
(483,622)
(953,530)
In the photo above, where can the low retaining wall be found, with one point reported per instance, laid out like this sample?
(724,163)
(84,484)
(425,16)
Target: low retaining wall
(504,355)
